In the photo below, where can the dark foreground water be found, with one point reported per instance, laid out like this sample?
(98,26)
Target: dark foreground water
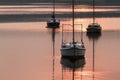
(26,52)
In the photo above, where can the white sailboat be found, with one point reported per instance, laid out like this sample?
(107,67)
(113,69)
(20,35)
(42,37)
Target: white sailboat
(94,27)
(53,22)
(74,48)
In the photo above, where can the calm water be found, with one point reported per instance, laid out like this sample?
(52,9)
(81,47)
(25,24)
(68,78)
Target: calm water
(26,49)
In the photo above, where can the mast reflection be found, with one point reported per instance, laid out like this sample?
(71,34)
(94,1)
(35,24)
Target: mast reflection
(72,66)
(93,37)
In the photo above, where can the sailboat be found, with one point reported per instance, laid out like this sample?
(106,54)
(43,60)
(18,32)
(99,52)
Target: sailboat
(94,27)
(53,22)
(74,48)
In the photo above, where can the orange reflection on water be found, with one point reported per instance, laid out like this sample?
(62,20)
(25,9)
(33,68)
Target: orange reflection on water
(83,73)
(89,75)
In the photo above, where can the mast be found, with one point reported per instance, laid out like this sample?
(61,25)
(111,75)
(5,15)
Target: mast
(53,16)
(73,19)
(81,33)
(93,11)
(62,33)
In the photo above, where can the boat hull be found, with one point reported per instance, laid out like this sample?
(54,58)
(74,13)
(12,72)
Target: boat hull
(53,23)
(93,30)
(72,52)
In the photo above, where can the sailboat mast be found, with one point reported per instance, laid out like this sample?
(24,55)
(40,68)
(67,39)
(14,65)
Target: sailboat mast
(81,33)
(93,11)
(73,19)
(53,8)
(62,33)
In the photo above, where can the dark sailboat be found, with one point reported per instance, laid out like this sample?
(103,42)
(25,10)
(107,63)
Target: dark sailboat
(94,27)
(53,22)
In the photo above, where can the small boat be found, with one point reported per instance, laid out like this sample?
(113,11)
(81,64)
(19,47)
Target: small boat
(94,27)
(74,48)
(53,22)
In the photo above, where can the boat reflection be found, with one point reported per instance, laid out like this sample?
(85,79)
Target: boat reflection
(94,36)
(72,66)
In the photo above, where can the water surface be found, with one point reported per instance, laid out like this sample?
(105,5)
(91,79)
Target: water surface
(26,51)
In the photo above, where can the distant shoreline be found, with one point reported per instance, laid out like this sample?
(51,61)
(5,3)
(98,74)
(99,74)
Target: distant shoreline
(45,17)
(31,3)
(48,2)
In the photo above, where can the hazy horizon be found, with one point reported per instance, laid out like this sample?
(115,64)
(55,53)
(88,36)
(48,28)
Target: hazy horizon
(89,2)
